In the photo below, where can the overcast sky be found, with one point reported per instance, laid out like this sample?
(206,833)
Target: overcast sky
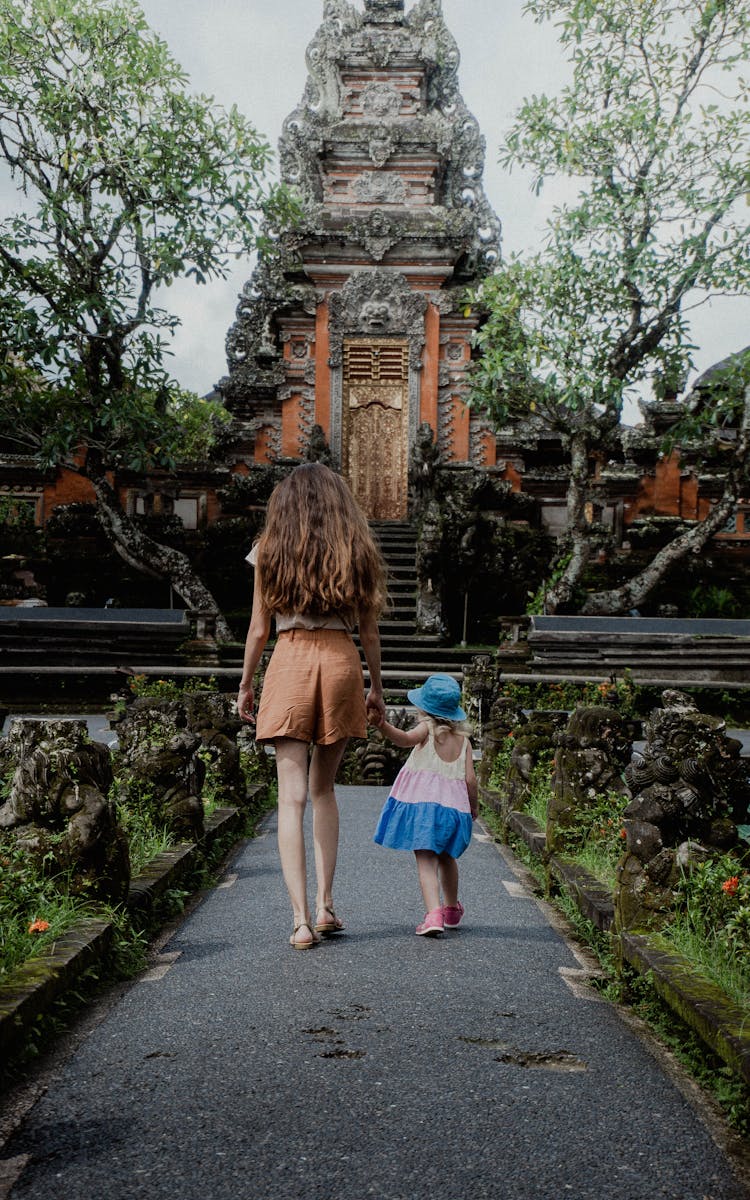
(252,53)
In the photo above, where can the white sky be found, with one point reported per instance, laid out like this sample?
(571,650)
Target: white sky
(252,53)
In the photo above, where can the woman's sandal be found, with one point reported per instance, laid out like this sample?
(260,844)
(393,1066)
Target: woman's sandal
(332,924)
(303,944)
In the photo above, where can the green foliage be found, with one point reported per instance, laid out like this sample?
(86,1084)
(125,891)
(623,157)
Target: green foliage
(539,791)
(712,601)
(35,908)
(500,764)
(596,842)
(213,794)
(169,689)
(146,837)
(15,513)
(535,605)
(651,134)
(618,690)
(712,921)
(129,181)
(660,171)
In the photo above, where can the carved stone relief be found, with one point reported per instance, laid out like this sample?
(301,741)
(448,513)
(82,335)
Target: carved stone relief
(381,101)
(307,418)
(380,149)
(380,187)
(377,302)
(379,235)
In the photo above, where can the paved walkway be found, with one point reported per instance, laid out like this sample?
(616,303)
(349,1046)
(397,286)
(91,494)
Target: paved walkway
(376,1065)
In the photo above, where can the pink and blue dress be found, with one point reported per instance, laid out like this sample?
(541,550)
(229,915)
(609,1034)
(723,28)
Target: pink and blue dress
(428,808)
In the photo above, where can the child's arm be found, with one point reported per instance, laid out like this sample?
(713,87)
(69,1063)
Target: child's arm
(471,781)
(405,738)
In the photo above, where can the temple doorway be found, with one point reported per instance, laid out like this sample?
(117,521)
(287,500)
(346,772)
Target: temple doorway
(375,443)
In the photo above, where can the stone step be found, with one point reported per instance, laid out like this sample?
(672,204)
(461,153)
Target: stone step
(403,609)
(409,678)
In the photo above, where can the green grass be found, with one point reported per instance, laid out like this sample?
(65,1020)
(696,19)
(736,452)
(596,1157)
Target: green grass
(538,801)
(708,957)
(55,909)
(598,862)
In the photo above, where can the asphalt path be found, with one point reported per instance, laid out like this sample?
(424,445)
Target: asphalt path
(379,1064)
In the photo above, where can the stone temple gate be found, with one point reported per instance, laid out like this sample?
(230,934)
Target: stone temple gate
(355,320)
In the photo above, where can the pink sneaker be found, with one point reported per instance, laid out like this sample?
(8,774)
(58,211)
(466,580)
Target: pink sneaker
(433,924)
(453,915)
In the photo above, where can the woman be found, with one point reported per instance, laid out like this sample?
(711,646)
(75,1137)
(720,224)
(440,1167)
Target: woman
(319,573)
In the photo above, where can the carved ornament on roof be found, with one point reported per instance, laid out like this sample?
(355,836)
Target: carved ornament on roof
(381,148)
(381,100)
(377,232)
(384,35)
(384,12)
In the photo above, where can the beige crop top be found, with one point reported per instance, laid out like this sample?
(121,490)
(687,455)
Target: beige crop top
(285,621)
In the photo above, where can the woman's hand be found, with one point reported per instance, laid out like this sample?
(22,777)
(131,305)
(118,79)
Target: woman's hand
(246,702)
(375,706)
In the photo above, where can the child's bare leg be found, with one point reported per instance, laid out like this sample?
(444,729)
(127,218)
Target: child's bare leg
(323,767)
(448,874)
(427,869)
(291,769)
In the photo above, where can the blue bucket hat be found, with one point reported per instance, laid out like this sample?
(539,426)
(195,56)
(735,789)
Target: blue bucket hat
(439,697)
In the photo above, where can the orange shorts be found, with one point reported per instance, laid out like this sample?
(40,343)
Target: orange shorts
(313,689)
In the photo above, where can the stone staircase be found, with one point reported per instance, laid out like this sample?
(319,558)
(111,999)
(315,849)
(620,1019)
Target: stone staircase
(408,657)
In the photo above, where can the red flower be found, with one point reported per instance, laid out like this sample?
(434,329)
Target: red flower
(730,885)
(38,926)
(623,833)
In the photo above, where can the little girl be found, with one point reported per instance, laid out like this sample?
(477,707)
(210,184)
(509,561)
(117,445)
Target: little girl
(434,799)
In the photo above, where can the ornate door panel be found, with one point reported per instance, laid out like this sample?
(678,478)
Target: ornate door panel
(376,425)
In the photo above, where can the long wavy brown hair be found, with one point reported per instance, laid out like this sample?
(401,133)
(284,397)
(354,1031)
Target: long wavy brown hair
(316,554)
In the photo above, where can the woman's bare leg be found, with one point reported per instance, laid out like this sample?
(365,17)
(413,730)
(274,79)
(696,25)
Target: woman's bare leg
(324,764)
(292,773)
(427,869)
(448,873)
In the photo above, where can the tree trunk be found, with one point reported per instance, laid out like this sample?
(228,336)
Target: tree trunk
(561,591)
(617,601)
(150,557)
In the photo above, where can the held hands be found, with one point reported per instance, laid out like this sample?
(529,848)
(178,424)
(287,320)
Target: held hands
(375,708)
(246,702)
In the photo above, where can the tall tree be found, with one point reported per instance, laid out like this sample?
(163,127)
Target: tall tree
(126,181)
(654,131)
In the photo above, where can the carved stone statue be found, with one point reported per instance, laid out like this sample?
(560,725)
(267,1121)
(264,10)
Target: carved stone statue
(164,770)
(481,688)
(532,742)
(58,807)
(688,787)
(505,716)
(590,757)
(318,449)
(425,457)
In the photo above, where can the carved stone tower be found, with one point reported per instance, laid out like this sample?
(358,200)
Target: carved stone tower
(355,321)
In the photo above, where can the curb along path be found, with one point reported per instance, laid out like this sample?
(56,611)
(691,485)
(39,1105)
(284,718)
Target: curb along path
(378,1064)
(31,991)
(721,1023)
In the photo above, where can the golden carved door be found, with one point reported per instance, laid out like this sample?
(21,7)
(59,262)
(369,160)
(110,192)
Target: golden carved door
(376,425)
